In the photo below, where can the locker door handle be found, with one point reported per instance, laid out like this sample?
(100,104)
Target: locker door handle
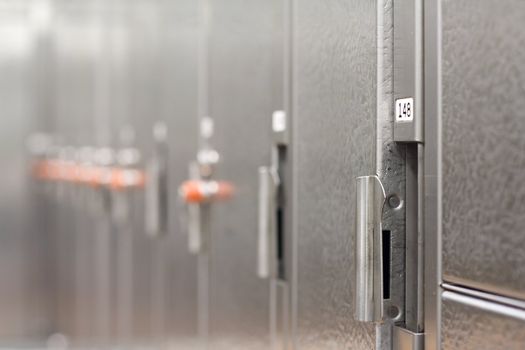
(195,239)
(157,185)
(266,250)
(369,254)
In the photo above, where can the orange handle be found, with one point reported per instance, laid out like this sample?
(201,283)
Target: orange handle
(199,191)
(114,178)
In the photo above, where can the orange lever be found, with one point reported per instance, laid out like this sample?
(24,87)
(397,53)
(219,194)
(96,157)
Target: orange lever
(114,178)
(199,191)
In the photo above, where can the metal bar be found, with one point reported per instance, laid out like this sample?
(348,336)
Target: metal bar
(432,172)
(485,305)
(266,254)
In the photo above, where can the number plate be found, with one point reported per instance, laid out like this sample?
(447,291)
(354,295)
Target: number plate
(405,110)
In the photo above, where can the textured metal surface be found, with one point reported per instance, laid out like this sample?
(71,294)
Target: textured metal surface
(242,90)
(467,327)
(391,161)
(483,143)
(334,135)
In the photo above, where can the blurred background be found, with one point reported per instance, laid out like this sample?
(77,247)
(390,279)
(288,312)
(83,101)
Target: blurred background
(104,106)
(84,82)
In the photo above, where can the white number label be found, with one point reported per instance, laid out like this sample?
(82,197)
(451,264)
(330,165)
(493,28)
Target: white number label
(279,121)
(405,110)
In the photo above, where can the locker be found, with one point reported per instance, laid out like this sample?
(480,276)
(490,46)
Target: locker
(180,30)
(25,250)
(74,110)
(245,88)
(343,129)
(123,139)
(146,97)
(482,146)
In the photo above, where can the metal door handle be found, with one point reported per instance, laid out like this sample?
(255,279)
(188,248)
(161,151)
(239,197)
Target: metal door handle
(157,184)
(266,251)
(368,252)
(195,241)
(157,198)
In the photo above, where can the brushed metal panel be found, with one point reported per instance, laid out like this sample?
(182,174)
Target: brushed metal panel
(179,110)
(334,140)
(244,90)
(73,109)
(26,279)
(468,327)
(145,76)
(483,143)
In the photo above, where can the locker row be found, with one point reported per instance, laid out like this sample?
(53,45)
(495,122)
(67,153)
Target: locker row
(262,174)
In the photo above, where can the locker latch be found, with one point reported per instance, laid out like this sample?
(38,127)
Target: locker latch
(201,190)
(156,190)
(270,227)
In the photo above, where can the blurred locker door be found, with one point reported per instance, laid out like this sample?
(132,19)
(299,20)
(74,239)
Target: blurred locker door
(343,112)
(482,142)
(26,266)
(80,110)
(116,92)
(179,34)
(144,99)
(245,88)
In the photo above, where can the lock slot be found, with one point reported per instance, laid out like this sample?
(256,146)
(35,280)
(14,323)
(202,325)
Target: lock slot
(387,263)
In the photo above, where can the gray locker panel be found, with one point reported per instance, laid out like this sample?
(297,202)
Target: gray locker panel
(180,23)
(483,143)
(144,103)
(465,326)
(73,113)
(243,80)
(27,283)
(119,36)
(334,141)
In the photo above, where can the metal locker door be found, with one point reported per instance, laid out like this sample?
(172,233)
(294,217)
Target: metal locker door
(180,33)
(80,123)
(245,88)
(473,323)
(144,111)
(482,141)
(26,260)
(343,130)
(476,97)
(118,38)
